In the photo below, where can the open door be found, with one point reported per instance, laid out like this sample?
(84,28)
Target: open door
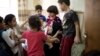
(92,25)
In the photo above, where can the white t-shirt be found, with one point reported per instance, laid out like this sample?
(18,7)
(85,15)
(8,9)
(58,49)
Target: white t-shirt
(11,42)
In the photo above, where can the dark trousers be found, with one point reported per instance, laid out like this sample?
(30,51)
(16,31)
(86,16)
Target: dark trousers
(16,54)
(3,53)
(53,51)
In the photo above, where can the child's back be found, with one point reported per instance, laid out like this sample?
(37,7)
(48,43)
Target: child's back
(36,38)
(35,42)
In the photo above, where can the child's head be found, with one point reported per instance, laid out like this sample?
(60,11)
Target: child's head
(1,23)
(93,53)
(34,22)
(10,20)
(38,9)
(63,4)
(52,10)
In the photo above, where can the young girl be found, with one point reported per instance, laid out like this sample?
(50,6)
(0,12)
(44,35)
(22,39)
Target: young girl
(53,25)
(36,38)
(9,35)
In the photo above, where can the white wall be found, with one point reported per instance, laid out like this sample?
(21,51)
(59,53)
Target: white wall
(30,5)
(8,6)
(47,3)
(78,5)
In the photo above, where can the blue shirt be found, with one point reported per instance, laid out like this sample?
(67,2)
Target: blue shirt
(42,17)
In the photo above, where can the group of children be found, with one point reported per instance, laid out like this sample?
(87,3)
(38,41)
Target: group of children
(56,40)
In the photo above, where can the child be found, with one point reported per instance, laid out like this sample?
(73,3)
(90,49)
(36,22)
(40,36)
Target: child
(19,29)
(1,23)
(4,48)
(53,25)
(10,36)
(38,9)
(71,33)
(36,38)
(92,53)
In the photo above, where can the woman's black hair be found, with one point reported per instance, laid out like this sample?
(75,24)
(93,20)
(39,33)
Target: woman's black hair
(1,19)
(38,7)
(67,2)
(53,9)
(34,22)
(8,18)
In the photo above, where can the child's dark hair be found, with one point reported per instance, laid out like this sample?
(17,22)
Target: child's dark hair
(1,19)
(67,2)
(8,18)
(34,22)
(38,7)
(53,9)
(93,53)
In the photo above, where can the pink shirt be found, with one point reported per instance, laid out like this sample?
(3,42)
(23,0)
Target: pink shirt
(36,42)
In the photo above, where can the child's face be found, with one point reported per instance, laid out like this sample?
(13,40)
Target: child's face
(39,12)
(52,15)
(13,22)
(62,6)
(2,25)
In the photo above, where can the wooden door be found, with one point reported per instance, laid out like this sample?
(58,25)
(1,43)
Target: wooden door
(92,24)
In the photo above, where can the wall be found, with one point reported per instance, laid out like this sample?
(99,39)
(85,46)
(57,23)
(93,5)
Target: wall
(10,6)
(78,5)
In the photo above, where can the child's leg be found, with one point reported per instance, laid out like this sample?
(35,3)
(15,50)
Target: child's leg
(66,46)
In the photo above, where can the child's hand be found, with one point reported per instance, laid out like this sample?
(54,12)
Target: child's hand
(57,40)
(22,40)
(77,39)
(59,32)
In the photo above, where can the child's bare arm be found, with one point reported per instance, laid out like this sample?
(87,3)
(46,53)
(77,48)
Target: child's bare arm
(22,25)
(77,37)
(54,38)
(58,32)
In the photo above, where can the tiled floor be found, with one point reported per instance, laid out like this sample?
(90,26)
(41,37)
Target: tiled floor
(77,49)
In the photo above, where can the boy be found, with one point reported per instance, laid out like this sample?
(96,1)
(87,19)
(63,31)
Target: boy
(70,28)
(54,24)
(38,9)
